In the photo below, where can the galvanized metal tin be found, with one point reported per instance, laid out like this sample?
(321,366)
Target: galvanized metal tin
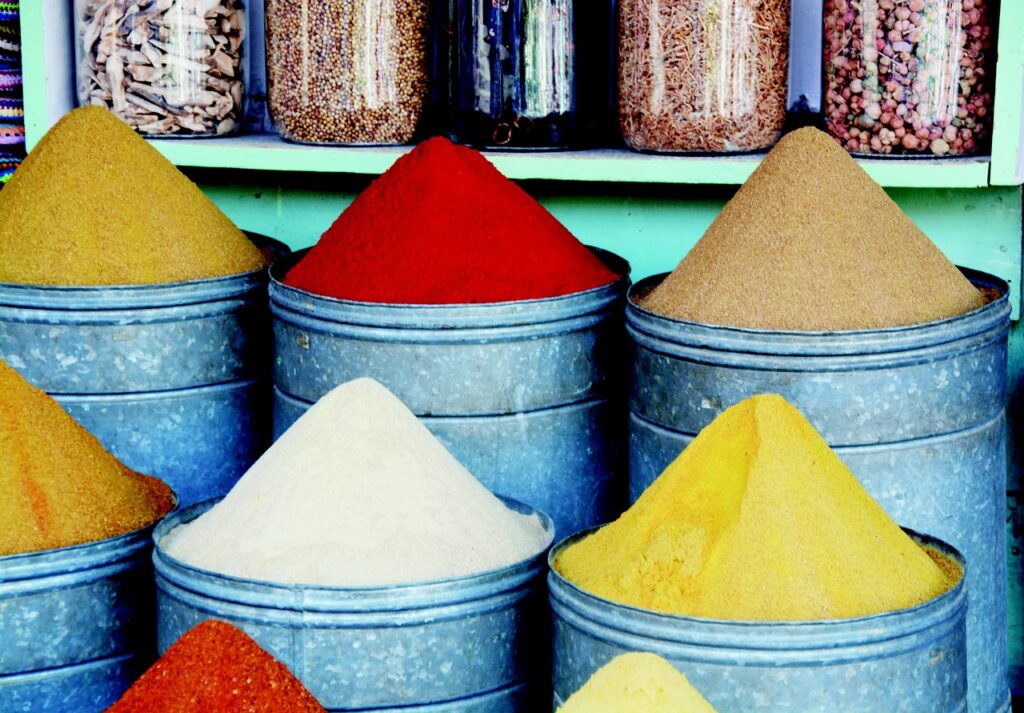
(474,644)
(172,378)
(77,624)
(912,660)
(916,412)
(526,394)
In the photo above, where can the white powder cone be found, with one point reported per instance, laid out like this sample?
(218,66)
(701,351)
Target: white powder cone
(356,493)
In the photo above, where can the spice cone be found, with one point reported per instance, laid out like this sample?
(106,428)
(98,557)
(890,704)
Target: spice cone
(443,226)
(94,204)
(758,519)
(810,242)
(58,485)
(636,682)
(217,667)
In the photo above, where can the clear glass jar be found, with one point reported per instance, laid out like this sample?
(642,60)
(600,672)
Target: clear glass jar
(166,67)
(347,71)
(511,72)
(909,76)
(702,75)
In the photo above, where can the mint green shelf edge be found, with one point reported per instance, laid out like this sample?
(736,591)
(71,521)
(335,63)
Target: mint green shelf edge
(607,165)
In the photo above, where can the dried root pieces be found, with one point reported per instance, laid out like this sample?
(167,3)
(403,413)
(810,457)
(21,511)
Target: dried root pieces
(164,66)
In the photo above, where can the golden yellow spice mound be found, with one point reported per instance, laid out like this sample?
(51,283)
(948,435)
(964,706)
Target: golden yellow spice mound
(810,242)
(636,682)
(94,204)
(58,486)
(757,520)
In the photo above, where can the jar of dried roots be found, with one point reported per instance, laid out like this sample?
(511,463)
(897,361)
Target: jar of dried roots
(166,67)
(702,75)
(347,71)
(910,77)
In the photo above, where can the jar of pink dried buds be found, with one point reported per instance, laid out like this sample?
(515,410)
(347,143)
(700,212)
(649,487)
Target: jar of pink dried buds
(910,77)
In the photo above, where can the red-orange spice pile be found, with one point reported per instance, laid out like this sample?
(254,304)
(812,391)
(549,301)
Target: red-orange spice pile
(58,485)
(216,667)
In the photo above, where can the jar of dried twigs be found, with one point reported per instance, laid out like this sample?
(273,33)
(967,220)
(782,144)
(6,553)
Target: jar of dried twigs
(166,67)
(347,71)
(511,72)
(702,75)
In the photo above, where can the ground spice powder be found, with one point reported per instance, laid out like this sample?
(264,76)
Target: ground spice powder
(810,242)
(94,204)
(58,486)
(443,226)
(357,493)
(636,682)
(216,667)
(757,520)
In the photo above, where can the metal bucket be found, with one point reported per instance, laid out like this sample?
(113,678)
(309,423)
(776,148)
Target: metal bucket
(525,394)
(911,660)
(474,644)
(917,413)
(171,378)
(77,624)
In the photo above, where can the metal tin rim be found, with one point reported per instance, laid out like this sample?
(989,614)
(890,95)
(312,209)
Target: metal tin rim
(934,440)
(668,334)
(85,555)
(769,635)
(382,598)
(287,299)
(81,298)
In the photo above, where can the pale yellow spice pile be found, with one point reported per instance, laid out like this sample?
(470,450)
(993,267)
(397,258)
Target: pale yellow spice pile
(757,520)
(58,485)
(810,242)
(94,204)
(635,683)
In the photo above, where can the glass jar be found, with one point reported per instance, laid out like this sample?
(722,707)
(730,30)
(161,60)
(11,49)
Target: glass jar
(702,75)
(166,67)
(511,72)
(909,77)
(347,71)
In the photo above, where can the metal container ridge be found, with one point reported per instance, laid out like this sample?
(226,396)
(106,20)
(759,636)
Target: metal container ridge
(907,661)
(916,412)
(171,378)
(77,624)
(476,644)
(525,394)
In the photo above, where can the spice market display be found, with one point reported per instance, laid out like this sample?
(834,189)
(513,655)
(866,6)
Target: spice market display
(532,355)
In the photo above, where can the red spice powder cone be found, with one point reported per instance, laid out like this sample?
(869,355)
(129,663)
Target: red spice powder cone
(443,226)
(217,667)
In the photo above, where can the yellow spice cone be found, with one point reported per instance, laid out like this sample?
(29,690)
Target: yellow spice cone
(94,204)
(757,520)
(637,682)
(58,485)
